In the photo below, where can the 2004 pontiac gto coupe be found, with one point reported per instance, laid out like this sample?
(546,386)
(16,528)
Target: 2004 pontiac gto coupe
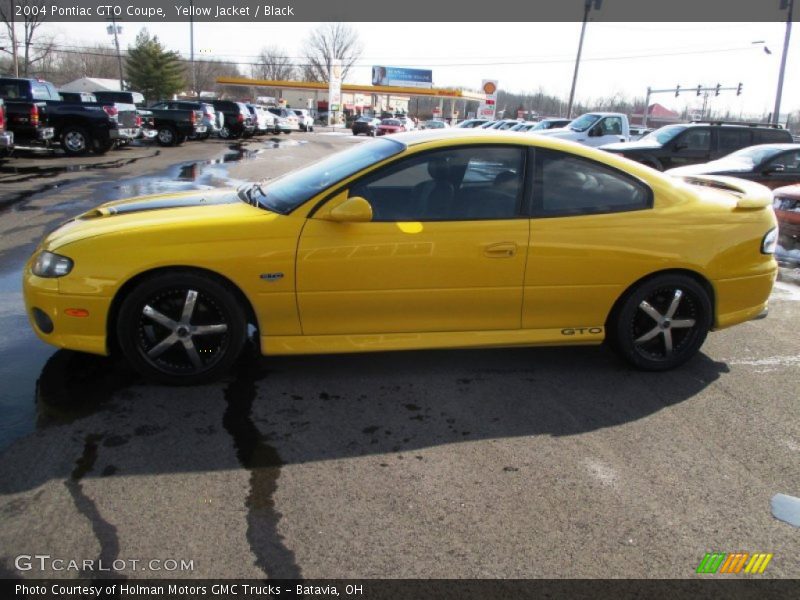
(451,239)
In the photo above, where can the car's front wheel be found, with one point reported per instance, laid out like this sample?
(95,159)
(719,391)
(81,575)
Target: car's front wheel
(181,328)
(661,323)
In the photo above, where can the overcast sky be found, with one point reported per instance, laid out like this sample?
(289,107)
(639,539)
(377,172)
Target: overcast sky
(620,58)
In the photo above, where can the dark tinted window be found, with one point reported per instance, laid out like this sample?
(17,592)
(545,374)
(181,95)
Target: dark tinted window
(787,162)
(569,185)
(470,183)
(732,139)
(695,138)
(771,136)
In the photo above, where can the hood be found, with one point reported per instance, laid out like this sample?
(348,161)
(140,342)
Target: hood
(557,132)
(637,145)
(158,211)
(713,167)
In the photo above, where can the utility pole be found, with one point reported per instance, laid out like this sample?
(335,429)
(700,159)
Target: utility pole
(587,7)
(191,48)
(116,30)
(784,4)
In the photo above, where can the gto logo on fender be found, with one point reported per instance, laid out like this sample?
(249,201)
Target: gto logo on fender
(581,330)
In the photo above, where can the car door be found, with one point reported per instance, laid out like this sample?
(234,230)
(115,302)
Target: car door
(444,251)
(689,147)
(783,169)
(587,221)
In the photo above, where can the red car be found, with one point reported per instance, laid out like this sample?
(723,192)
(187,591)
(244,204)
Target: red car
(388,126)
(787,209)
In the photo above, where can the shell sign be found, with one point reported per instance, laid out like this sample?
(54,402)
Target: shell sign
(489,87)
(487,108)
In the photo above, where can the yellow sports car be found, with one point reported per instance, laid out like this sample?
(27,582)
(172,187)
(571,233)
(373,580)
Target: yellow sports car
(447,239)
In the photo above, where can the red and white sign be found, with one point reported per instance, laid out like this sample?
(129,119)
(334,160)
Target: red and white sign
(487,108)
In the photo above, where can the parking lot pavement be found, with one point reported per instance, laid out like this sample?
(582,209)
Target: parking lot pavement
(550,462)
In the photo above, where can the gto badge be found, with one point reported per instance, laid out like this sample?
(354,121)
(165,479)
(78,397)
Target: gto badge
(581,330)
(271,276)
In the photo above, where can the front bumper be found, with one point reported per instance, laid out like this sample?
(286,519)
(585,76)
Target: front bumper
(84,334)
(6,140)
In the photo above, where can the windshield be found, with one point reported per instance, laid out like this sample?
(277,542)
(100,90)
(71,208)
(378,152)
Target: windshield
(755,154)
(290,191)
(583,122)
(664,134)
(394,122)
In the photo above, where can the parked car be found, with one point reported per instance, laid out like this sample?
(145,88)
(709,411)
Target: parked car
(471,123)
(503,124)
(698,142)
(36,114)
(488,124)
(772,165)
(237,120)
(524,126)
(605,250)
(6,137)
(265,121)
(593,129)
(211,120)
(388,126)
(549,123)
(169,126)
(787,210)
(435,124)
(407,122)
(287,121)
(305,120)
(638,133)
(365,125)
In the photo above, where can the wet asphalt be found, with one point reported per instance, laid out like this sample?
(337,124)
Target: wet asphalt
(517,463)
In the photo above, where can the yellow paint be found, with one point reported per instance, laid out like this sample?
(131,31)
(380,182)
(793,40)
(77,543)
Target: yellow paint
(359,286)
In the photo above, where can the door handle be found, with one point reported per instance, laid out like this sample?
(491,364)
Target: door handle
(500,250)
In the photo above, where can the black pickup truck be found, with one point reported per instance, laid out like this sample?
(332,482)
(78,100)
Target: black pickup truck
(170,126)
(37,114)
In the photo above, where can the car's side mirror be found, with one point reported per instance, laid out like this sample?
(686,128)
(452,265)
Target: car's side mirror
(680,146)
(774,169)
(594,132)
(352,210)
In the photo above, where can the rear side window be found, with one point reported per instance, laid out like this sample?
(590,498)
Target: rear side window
(771,136)
(731,140)
(40,91)
(570,185)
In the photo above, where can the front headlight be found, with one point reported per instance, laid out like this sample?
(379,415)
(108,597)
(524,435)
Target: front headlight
(48,264)
(770,241)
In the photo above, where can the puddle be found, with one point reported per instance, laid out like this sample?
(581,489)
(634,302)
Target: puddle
(786,508)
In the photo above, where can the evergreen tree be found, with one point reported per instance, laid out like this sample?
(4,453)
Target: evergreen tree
(152,70)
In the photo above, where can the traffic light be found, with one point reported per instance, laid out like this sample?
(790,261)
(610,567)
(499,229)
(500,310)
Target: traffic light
(719,85)
(739,89)
(677,90)
(699,89)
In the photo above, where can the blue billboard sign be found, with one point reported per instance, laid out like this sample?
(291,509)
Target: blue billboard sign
(401,77)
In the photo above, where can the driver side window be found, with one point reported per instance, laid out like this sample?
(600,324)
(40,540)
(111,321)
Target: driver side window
(790,161)
(463,184)
(695,139)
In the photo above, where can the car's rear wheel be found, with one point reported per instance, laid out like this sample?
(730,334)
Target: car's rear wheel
(75,141)
(181,328)
(661,323)
(167,136)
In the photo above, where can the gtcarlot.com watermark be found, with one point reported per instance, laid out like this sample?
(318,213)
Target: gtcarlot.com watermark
(46,562)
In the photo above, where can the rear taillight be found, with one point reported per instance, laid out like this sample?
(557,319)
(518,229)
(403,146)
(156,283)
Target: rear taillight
(111,111)
(208,115)
(2,117)
(34,115)
(770,241)
(240,118)
(192,117)
(138,121)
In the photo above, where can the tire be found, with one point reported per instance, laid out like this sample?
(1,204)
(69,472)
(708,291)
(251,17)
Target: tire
(75,141)
(167,136)
(354,133)
(165,345)
(225,132)
(102,147)
(661,323)
(202,137)
(287,132)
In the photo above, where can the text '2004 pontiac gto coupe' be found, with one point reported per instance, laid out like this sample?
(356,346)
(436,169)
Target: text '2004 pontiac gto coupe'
(450,239)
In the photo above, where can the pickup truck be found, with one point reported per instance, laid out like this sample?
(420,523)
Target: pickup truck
(37,114)
(6,137)
(169,126)
(594,129)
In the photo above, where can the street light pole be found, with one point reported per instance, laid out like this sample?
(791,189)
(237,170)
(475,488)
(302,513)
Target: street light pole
(587,6)
(116,30)
(14,39)
(191,48)
(776,112)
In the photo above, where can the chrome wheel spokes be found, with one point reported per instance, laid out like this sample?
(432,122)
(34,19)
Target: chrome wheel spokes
(182,332)
(665,322)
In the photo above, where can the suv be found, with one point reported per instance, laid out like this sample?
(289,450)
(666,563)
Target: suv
(697,142)
(237,120)
(211,119)
(306,120)
(287,119)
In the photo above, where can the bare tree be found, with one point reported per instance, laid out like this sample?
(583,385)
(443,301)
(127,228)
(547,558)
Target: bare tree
(96,61)
(327,41)
(207,71)
(273,64)
(34,48)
